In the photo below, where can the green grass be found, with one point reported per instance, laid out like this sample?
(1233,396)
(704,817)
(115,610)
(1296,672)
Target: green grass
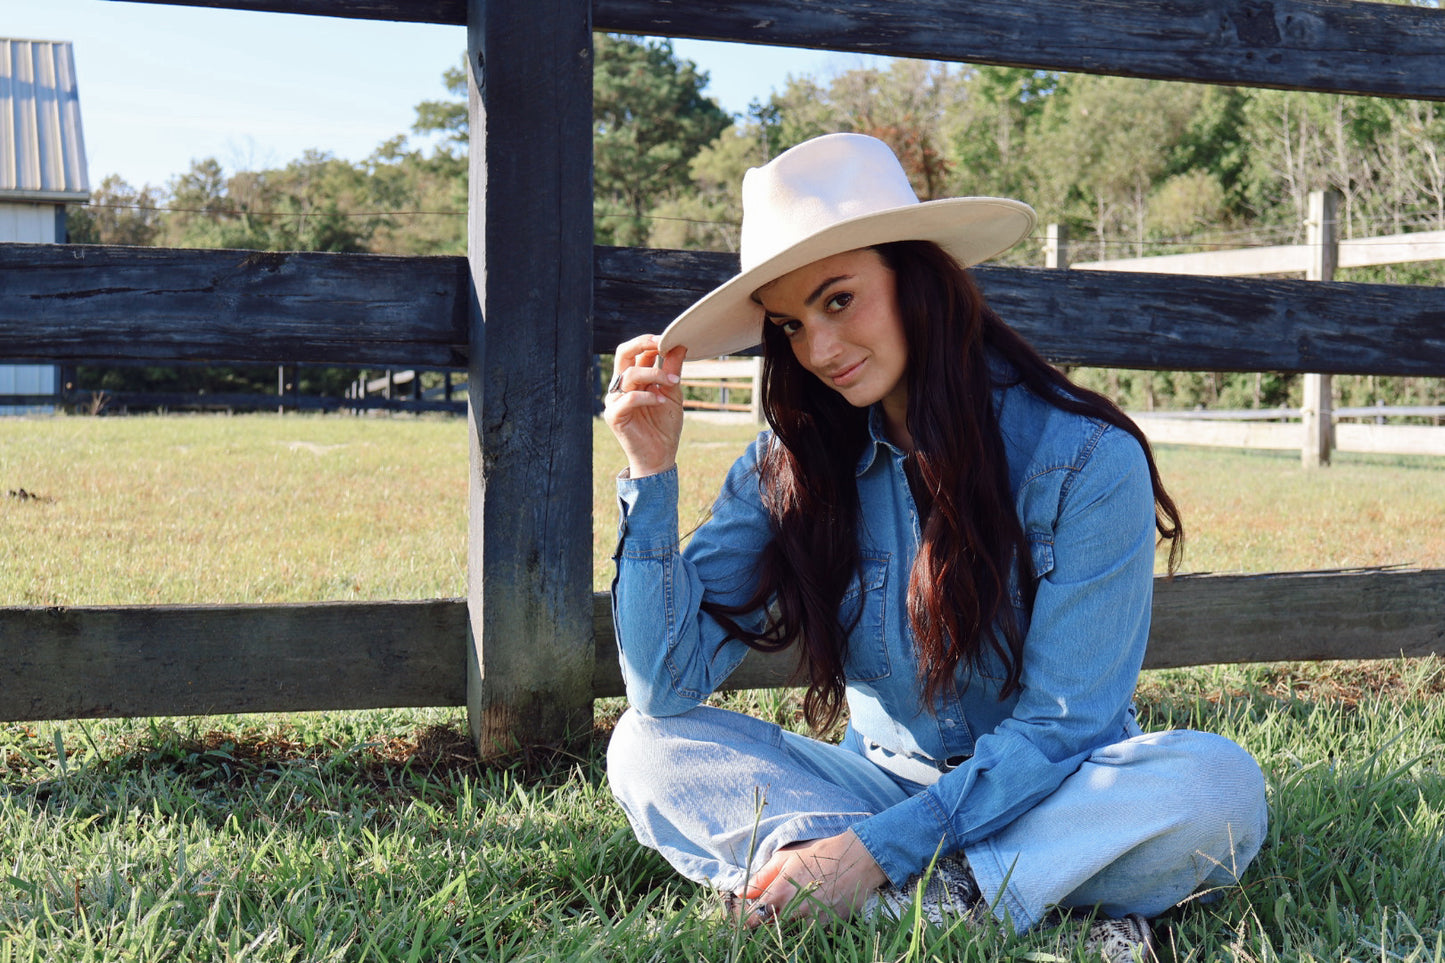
(379,836)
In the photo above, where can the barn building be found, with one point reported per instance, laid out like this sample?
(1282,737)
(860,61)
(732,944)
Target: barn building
(42,169)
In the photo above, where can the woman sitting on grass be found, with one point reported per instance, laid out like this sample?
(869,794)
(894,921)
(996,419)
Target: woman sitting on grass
(958,541)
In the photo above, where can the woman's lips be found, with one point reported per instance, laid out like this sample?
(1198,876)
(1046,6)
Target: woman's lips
(842,378)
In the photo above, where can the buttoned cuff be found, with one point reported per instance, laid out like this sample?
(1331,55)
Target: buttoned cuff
(647,521)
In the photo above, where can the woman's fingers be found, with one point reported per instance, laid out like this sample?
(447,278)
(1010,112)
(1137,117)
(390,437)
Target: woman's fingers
(819,877)
(763,879)
(637,366)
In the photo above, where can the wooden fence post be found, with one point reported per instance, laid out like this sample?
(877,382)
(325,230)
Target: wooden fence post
(529,560)
(755,402)
(1316,406)
(1056,246)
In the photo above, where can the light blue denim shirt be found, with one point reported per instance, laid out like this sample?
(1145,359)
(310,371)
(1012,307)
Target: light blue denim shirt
(1081,489)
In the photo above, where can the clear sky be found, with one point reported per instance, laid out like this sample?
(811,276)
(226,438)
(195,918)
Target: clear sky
(163,85)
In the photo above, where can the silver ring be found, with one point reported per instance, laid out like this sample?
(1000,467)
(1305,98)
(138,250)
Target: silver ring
(616,384)
(763,912)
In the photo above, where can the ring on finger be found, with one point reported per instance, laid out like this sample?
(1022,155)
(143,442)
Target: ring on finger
(616,384)
(763,912)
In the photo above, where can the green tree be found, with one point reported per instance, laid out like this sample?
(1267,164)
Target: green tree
(446,118)
(989,127)
(117,214)
(709,216)
(649,119)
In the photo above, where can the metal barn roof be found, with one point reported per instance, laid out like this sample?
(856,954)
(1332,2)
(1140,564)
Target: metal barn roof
(42,149)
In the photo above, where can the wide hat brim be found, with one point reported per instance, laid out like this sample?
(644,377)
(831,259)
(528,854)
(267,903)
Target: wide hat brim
(973,229)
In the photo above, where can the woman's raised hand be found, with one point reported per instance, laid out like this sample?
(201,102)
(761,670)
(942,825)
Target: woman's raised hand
(643,406)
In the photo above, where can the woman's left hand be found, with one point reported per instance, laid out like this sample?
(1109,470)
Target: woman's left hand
(835,876)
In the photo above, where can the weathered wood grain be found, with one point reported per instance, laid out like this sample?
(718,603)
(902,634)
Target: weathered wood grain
(1306,616)
(1112,319)
(186,660)
(70,663)
(77,301)
(530,247)
(1325,45)
(410,11)
(67,303)
(1329,45)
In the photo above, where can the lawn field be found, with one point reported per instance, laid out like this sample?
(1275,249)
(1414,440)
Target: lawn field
(378,835)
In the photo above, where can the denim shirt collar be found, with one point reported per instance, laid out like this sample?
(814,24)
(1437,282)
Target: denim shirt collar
(876,436)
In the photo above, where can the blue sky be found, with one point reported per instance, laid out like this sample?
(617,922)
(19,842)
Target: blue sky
(162,85)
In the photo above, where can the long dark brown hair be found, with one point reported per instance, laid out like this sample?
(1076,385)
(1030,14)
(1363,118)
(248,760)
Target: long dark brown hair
(958,591)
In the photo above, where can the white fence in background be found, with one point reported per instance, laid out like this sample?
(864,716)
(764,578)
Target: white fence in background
(1266,428)
(1324,252)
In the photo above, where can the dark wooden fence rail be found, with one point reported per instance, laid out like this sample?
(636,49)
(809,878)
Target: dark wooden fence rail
(65,302)
(191,660)
(527,307)
(1328,45)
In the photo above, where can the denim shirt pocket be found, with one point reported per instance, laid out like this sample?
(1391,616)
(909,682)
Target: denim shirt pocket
(867,659)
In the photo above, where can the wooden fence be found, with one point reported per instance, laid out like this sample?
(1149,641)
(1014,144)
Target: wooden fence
(1322,254)
(530,647)
(393,391)
(726,376)
(1274,429)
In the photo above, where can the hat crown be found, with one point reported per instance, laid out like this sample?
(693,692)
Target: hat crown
(819,183)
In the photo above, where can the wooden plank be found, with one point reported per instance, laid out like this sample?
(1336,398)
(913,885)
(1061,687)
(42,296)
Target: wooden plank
(1283,259)
(1392,249)
(1222,434)
(90,662)
(530,249)
(1225,414)
(740,368)
(1241,262)
(1391,439)
(1112,319)
(1330,45)
(74,301)
(1309,616)
(409,11)
(381,311)
(1343,46)
(69,663)
(1391,411)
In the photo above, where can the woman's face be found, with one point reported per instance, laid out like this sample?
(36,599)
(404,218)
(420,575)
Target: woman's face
(841,317)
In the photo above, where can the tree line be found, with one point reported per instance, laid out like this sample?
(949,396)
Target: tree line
(1132,167)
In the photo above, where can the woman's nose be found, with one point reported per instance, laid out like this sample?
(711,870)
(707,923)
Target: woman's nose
(822,344)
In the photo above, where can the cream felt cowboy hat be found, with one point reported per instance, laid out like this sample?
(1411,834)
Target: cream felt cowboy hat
(835,193)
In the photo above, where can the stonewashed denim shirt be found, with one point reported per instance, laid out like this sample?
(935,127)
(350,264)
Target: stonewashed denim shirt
(1082,492)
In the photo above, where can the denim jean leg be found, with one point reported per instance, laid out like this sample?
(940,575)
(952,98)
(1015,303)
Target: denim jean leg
(717,792)
(1142,825)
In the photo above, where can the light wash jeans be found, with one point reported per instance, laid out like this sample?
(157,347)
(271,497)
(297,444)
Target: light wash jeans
(1139,827)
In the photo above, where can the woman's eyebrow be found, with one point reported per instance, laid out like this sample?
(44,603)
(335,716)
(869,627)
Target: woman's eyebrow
(808,301)
(818,291)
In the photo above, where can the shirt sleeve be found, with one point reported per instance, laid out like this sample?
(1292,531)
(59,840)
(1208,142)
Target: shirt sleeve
(1081,659)
(673,656)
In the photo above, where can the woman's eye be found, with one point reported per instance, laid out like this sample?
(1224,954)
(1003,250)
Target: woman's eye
(790,328)
(839,301)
